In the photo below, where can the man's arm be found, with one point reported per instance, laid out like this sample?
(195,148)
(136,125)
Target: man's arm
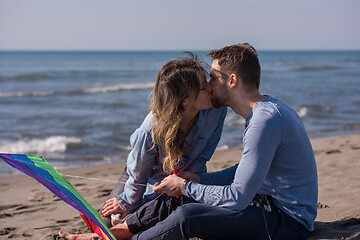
(261,140)
(221,178)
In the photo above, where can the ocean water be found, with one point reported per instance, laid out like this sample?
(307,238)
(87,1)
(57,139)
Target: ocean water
(78,108)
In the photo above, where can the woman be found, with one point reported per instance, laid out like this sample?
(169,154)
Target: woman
(180,134)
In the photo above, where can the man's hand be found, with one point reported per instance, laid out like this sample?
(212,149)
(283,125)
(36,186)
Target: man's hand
(171,185)
(112,206)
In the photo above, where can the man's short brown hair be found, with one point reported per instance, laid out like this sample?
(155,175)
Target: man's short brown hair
(240,59)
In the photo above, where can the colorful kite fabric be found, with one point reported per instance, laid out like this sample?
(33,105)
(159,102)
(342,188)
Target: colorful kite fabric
(38,168)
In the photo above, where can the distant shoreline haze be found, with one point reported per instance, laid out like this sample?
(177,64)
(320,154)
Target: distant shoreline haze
(175,50)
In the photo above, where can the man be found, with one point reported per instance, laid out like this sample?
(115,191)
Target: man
(272,192)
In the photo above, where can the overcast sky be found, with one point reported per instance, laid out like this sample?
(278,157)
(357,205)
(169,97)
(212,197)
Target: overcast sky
(178,25)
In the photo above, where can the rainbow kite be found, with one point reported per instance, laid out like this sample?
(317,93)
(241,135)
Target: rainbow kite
(38,168)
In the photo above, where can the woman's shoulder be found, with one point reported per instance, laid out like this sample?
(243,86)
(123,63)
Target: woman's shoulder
(148,122)
(213,112)
(144,129)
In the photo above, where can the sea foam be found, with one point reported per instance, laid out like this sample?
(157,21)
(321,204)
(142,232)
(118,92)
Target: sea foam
(119,87)
(302,112)
(53,144)
(26,94)
(233,119)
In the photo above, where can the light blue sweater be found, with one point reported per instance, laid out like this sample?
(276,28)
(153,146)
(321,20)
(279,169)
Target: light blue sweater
(277,160)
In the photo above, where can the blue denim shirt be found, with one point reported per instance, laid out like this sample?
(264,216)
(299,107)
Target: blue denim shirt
(144,163)
(277,160)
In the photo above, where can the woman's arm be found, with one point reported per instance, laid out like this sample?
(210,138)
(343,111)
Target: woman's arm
(140,164)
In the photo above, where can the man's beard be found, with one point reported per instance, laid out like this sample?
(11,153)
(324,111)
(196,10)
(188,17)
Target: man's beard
(221,99)
(217,103)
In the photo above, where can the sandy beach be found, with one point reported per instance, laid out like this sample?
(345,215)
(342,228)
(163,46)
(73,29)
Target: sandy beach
(30,211)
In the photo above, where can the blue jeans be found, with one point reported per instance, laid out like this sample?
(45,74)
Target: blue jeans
(260,220)
(154,211)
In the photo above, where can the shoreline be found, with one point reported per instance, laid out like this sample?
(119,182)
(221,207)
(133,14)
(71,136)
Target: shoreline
(225,147)
(29,210)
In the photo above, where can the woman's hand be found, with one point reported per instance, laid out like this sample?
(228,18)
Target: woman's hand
(112,206)
(171,185)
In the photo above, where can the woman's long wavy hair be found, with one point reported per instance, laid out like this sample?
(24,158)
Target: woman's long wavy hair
(176,81)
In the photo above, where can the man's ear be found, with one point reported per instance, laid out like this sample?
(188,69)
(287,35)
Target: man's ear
(233,80)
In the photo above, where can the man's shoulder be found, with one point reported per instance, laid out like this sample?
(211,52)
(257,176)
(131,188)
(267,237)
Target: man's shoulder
(266,114)
(272,107)
(268,108)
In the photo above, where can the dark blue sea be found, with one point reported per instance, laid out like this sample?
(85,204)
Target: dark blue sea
(80,108)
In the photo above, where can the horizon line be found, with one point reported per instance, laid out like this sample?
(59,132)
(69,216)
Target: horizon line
(159,50)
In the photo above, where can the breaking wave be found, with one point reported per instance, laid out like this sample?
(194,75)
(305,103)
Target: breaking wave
(53,144)
(102,89)
(26,94)
(119,87)
(302,111)
(233,119)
